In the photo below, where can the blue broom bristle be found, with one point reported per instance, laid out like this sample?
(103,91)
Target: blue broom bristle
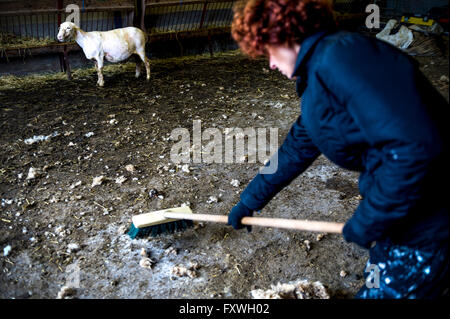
(160,229)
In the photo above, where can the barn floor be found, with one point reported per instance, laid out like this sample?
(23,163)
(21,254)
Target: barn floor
(54,226)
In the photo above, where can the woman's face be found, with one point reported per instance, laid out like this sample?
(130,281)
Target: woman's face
(283,58)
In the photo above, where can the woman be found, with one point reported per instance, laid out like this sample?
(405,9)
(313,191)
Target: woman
(366,107)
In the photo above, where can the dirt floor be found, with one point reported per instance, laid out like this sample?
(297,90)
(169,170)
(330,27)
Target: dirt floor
(56,227)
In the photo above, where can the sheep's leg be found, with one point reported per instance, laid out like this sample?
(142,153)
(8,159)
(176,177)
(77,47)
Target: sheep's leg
(147,68)
(99,66)
(146,61)
(138,67)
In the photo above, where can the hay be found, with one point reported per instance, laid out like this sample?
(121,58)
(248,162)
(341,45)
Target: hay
(37,80)
(11,41)
(426,45)
(300,289)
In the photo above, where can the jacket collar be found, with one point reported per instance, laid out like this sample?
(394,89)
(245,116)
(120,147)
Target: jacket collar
(306,49)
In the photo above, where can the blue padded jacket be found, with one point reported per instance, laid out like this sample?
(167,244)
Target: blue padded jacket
(367,107)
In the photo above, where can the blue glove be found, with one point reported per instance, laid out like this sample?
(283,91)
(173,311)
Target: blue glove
(350,235)
(237,213)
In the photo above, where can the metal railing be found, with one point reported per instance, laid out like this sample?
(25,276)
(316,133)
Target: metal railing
(188,16)
(43,24)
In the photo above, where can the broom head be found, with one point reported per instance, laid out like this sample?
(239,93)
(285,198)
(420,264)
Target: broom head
(154,223)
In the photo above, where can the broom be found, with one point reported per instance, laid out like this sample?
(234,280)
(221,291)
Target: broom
(177,219)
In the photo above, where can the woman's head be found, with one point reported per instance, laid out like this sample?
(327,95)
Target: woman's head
(258,24)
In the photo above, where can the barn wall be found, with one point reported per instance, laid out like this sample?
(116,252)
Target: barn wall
(400,7)
(162,17)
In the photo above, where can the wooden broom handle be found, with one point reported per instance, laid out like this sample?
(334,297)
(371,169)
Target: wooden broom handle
(314,226)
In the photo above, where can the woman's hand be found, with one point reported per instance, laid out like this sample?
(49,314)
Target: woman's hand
(237,213)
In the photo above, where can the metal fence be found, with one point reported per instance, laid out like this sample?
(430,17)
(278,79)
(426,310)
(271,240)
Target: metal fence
(188,16)
(160,18)
(44,25)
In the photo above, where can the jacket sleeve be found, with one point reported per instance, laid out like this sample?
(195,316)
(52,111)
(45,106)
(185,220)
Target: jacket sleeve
(293,157)
(385,95)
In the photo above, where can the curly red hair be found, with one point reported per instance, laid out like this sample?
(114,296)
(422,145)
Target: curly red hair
(258,23)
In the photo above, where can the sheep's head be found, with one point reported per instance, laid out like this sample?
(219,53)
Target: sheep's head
(66,31)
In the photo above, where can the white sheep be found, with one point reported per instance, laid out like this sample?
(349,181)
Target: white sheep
(114,46)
